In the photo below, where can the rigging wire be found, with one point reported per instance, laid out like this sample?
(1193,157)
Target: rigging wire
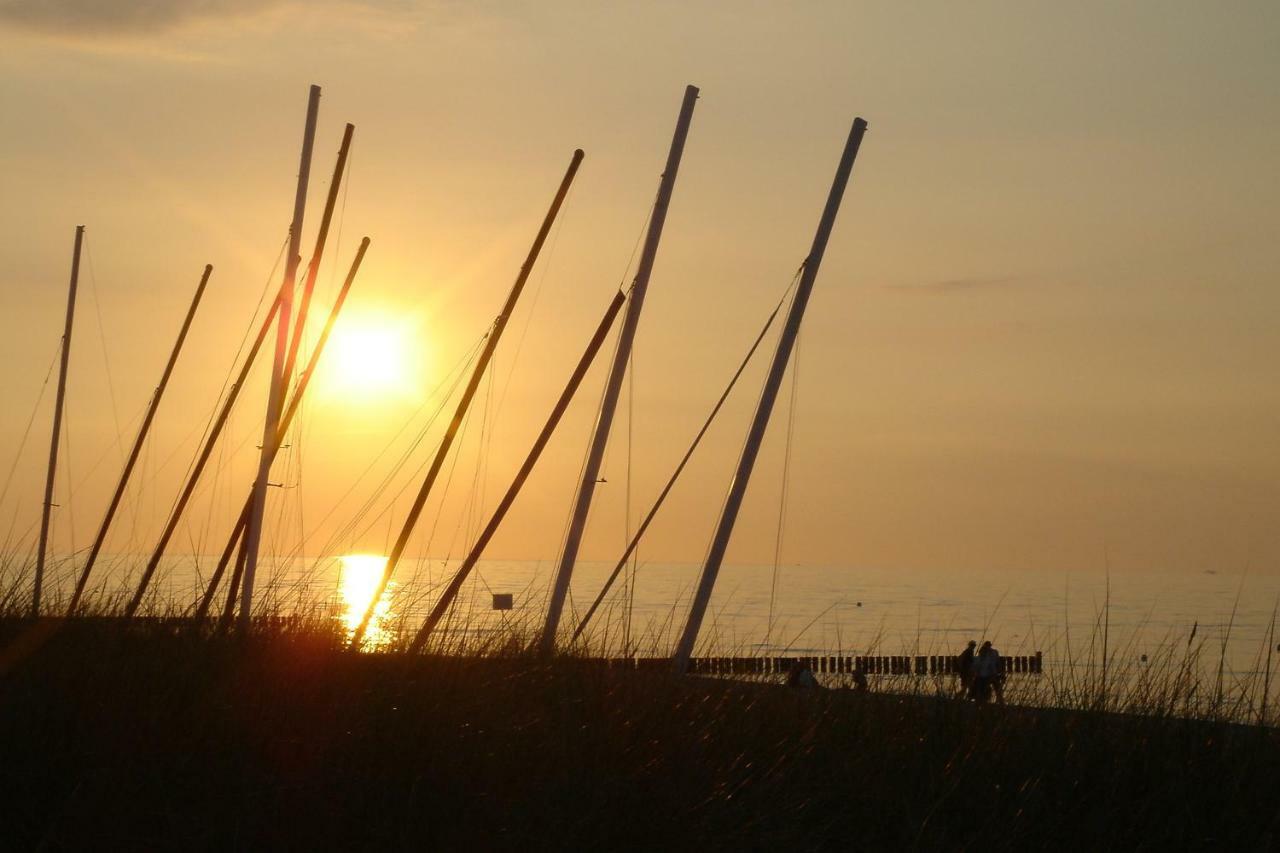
(604,467)
(298,424)
(102,339)
(786,480)
(480,479)
(453,466)
(26,433)
(475,500)
(226,382)
(724,501)
(689,454)
(635,556)
(347,532)
(220,400)
(586,454)
(67,469)
(367,507)
(231,368)
(136,418)
(463,524)
(537,293)
(582,468)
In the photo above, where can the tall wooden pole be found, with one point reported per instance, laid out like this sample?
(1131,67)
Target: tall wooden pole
(313,269)
(304,379)
(786,342)
(473,384)
(57,424)
(279,380)
(613,386)
(455,584)
(138,443)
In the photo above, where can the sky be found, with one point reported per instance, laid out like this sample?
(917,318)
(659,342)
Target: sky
(1043,336)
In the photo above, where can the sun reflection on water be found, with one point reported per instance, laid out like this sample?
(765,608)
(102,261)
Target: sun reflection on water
(357,582)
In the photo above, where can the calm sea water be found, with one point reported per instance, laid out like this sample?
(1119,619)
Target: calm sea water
(814,609)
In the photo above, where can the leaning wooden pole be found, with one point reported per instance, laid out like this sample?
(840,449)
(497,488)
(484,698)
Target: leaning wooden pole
(138,443)
(455,584)
(203,459)
(286,421)
(317,253)
(279,379)
(613,386)
(57,424)
(468,393)
(202,609)
(786,342)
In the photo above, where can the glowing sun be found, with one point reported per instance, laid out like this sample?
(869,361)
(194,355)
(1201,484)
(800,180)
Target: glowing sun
(371,357)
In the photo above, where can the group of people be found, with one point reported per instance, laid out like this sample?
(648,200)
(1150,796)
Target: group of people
(979,669)
(980,673)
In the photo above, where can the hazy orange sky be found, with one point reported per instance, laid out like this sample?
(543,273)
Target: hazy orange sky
(1045,326)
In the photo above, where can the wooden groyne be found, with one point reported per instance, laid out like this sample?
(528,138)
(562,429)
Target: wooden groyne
(916,665)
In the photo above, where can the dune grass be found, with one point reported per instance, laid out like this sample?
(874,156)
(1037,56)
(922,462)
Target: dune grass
(161,735)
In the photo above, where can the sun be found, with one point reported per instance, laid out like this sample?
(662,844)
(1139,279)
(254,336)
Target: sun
(371,356)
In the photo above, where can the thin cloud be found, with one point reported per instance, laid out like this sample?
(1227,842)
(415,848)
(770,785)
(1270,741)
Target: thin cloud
(90,19)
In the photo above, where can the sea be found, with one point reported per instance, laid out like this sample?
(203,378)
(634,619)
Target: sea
(787,610)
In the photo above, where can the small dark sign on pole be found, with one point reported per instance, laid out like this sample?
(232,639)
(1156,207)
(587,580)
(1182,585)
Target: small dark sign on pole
(502,601)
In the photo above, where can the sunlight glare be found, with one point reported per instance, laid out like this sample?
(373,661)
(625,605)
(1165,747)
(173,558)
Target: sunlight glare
(357,582)
(371,356)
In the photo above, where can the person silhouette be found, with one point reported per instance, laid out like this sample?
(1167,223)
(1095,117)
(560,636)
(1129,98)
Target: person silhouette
(987,674)
(964,668)
(801,676)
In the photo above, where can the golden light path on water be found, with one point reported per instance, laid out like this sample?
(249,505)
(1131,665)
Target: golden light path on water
(357,583)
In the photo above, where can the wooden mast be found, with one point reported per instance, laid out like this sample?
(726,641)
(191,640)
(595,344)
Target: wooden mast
(279,380)
(308,289)
(286,420)
(138,443)
(57,424)
(684,649)
(317,253)
(491,344)
(455,584)
(613,386)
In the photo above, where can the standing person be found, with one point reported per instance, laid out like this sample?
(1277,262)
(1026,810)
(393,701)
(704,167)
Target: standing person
(860,678)
(964,668)
(987,674)
(997,680)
